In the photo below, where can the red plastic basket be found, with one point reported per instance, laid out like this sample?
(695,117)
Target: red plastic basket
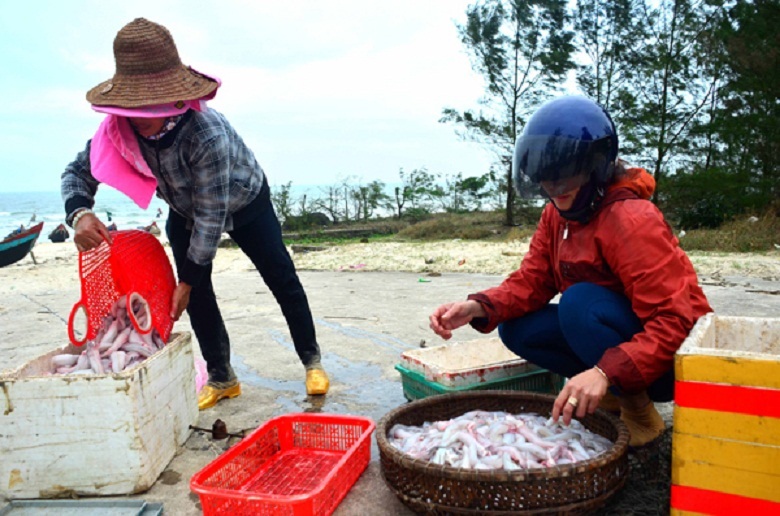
(135,263)
(296,464)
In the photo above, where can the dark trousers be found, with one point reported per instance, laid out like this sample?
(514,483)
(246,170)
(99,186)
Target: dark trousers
(260,238)
(571,336)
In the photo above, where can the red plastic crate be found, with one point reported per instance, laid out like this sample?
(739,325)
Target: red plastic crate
(297,464)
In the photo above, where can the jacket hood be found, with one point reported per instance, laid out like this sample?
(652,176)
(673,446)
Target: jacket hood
(636,179)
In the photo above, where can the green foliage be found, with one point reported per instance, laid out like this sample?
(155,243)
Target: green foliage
(332,201)
(744,234)
(746,120)
(282,200)
(472,190)
(522,49)
(415,215)
(693,87)
(459,194)
(605,30)
(368,198)
(473,226)
(309,220)
(707,198)
(415,196)
(668,87)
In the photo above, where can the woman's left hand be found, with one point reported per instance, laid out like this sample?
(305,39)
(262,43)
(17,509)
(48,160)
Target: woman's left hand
(581,395)
(181,298)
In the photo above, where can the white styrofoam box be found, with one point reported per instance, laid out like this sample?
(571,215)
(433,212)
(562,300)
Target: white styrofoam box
(462,364)
(734,337)
(95,434)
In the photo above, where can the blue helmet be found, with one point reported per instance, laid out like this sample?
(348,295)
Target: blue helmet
(568,142)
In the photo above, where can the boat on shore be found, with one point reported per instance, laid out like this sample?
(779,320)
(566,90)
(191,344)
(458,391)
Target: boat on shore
(19,244)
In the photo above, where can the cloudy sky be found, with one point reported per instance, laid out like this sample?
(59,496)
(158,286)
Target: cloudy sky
(320,90)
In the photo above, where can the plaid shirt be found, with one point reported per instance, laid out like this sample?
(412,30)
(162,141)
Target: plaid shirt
(204,172)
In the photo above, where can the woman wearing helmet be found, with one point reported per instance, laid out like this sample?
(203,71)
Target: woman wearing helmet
(629,294)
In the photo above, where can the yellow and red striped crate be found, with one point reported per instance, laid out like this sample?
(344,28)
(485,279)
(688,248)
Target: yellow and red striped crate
(726,440)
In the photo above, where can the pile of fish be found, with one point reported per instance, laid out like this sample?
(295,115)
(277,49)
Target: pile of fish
(499,440)
(117,345)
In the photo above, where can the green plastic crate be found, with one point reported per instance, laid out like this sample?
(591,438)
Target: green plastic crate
(541,380)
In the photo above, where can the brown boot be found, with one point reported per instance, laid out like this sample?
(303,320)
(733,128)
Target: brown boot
(644,422)
(610,403)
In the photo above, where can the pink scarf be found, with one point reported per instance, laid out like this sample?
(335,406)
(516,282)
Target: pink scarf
(116,160)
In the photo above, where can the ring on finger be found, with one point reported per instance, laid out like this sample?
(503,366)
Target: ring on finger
(573,401)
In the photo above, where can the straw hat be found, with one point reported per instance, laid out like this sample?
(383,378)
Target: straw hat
(148,70)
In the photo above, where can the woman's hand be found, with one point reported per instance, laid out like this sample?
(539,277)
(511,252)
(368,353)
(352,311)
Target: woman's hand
(450,316)
(585,392)
(90,232)
(180,300)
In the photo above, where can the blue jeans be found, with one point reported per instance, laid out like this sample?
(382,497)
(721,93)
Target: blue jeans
(260,238)
(572,336)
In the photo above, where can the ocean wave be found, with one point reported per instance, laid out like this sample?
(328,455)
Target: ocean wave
(17,209)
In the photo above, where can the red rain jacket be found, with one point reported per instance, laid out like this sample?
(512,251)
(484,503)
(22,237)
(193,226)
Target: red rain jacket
(627,247)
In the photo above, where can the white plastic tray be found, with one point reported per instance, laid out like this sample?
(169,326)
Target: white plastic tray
(461,364)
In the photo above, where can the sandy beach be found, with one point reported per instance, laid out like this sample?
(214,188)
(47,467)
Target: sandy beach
(37,297)
(57,264)
(498,258)
(370,303)
(52,281)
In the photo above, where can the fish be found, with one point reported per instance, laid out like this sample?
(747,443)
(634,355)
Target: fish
(111,333)
(64,360)
(120,341)
(117,346)
(93,355)
(497,440)
(118,361)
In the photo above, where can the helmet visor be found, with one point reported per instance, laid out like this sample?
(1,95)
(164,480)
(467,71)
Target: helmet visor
(549,158)
(561,164)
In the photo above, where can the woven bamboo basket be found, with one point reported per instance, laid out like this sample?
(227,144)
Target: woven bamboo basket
(429,488)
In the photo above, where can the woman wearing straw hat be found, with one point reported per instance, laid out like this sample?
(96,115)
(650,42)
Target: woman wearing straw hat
(159,136)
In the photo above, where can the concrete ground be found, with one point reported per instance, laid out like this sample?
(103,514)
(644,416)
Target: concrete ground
(364,321)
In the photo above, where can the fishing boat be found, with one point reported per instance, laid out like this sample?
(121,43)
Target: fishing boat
(16,246)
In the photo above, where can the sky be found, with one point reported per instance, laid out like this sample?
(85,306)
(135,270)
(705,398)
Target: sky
(321,91)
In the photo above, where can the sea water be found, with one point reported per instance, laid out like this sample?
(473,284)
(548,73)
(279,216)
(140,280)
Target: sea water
(28,208)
